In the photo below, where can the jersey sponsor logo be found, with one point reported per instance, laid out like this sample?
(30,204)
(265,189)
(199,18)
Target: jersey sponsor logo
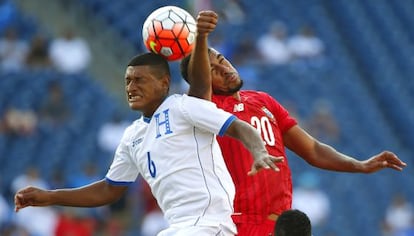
(165,123)
(238,107)
(136,142)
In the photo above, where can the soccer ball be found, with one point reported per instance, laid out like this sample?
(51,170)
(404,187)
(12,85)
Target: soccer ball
(170,32)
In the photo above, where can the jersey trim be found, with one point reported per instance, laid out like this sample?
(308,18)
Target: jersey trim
(226,125)
(147,119)
(118,183)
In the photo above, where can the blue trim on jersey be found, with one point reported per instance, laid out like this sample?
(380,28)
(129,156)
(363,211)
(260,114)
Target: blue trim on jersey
(147,119)
(118,183)
(226,125)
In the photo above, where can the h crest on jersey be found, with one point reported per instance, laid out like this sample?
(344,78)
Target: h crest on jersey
(268,113)
(164,122)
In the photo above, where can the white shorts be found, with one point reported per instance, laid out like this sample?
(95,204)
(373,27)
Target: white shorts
(197,230)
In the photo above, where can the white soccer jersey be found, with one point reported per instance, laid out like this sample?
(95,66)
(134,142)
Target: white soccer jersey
(177,154)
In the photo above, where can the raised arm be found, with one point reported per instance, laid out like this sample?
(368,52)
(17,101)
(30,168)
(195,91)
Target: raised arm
(326,157)
(96,194)
(254,143)
(199,74)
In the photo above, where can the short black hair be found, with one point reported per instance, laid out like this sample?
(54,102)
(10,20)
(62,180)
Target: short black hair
(293,223)
(151,59)
(184,66)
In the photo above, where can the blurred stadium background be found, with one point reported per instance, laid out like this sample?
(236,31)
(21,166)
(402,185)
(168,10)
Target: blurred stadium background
(367,77)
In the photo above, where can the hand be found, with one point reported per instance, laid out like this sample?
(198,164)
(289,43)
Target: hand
(383,160)
(266,162)
(206,22)
(29,196)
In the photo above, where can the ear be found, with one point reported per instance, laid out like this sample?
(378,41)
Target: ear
(166,82)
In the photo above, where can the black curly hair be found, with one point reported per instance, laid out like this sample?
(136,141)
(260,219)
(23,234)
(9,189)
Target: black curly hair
(293,223)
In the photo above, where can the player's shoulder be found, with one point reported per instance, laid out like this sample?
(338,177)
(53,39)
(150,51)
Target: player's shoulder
(254,92)
(173,98)
(196,100)
(131,126)
(134,128)
(257,94)
(170,102)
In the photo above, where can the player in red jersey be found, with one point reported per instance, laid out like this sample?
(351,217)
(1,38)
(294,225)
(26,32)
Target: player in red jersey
(260,199)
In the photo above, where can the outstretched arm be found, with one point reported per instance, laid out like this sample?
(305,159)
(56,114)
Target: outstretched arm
(199,74)
(93,195)
(254,143)
(326,157)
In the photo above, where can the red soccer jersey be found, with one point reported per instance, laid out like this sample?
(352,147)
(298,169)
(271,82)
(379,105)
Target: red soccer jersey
(268,191)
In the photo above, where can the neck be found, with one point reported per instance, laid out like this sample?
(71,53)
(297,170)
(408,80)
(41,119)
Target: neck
(151,109)
(236,95)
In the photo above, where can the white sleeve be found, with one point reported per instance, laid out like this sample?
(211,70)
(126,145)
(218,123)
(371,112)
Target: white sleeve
(123,170)
(205,115)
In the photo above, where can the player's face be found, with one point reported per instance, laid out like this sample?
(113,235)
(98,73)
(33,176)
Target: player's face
(225,78)
(144,90)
